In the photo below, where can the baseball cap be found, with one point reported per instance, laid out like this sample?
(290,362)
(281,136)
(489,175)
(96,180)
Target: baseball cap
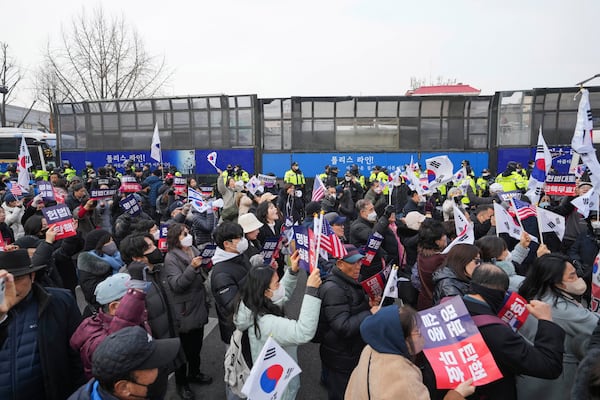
(495,188)
(334,218)
(131,349)
(353,255)
(413,220)
(112,288)
(249,222)
(175,205)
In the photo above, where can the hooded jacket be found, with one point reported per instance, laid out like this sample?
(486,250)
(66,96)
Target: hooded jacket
(228,275)
(385,370)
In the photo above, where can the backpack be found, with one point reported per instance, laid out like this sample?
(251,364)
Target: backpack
(238,362)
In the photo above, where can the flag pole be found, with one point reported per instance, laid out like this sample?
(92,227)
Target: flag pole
(497,234)
(320,222)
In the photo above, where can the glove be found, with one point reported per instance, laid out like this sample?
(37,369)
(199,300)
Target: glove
(389,210)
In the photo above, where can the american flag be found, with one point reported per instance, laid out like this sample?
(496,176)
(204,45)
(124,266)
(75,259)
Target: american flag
(318,190)
(15,189)
(330,242)
(524,210)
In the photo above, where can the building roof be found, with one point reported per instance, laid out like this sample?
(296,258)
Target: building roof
(459,89)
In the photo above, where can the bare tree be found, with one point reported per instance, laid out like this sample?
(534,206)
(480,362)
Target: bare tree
(10,76)
(102,58)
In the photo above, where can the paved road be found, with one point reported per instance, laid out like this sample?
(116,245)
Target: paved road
(213,352)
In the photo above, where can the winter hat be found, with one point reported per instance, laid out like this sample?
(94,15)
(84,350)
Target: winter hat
(95,236)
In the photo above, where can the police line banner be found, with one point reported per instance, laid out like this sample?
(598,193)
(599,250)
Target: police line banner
(454,347)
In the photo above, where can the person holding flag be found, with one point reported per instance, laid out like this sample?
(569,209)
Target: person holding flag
(260,312)
(344,307)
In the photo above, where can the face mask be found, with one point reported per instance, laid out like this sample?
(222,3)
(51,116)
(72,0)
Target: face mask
(110,248)
(348,178)
(298,193)
(493,297)
(242,245)
(187,241)
(156,235)
(278,294)
(156,257)
(576,288)
(377,190)
(372,216)
(544,204)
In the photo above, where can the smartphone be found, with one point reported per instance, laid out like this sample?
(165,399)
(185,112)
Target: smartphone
(2,287)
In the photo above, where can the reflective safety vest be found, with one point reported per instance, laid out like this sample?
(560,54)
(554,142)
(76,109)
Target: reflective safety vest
(40,174)
(70,173)
(381,177)
(514,181)
(296,179)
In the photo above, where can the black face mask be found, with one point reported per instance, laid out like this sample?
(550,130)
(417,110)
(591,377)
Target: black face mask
(493,297)
(156,257)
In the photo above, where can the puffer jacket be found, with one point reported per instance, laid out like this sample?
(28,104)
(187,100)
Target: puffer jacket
(13,219)
(446,284)
(288,333)
(187,286)
(202,226)
(93,330)
(92,271)
(344,306)
(228,275)
(57,317)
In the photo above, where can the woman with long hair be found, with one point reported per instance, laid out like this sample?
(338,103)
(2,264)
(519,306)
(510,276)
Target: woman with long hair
(452,279)
(270,216)
(260,311)
(432,240)
(183,267)
(386,369)
(553,280)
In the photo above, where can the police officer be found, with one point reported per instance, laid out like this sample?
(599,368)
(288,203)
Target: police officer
(483,183)
(379,174)
(359,178)
(240,174)
(510,179)
(295,176)
(69,171)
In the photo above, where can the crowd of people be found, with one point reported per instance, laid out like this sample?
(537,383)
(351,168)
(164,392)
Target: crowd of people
(148,289)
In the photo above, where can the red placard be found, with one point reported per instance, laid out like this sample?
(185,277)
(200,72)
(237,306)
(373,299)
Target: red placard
(514,311)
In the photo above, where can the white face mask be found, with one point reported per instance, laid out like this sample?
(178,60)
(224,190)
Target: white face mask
(156,235)
(576,288)
(242,245)
(187,241)
(278,294)
(372,216)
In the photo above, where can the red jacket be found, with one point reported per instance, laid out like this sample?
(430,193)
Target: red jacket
(92,330)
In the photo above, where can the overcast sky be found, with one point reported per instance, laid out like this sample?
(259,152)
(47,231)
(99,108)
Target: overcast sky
(335,47)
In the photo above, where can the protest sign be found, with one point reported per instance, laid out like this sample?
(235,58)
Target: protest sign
(302,245)
(61,219)
(514,310)
(375,284)
(560,185)
(130,205)
(454,347)
(373,244)
(267,180)
(506,196)
(45,190)
(99,194)
(207,253)
(269,249)
(162,239)
(179,185)
(129,185)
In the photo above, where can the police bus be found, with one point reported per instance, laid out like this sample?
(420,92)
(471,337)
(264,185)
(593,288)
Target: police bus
(41,145)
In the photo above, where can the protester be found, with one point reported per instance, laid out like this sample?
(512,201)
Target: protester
(126,364)
(553,280)
(432,240)
(344,306)
(260,311)
(36,324)
(386,370)
(452,279)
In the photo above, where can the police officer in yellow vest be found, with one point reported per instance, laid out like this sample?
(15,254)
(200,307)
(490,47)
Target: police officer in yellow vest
(483,183)
(69,171)
(39,174)
(240,174)
(379,175)
(510,179)
(295,176)
(359,178)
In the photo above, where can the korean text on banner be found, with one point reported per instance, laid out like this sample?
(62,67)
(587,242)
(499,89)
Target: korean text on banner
(130,205)
(373,244)
(61,218)
(454,347)
(302,245)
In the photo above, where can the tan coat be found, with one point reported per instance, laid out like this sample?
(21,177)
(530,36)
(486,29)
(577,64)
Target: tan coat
(390,376)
